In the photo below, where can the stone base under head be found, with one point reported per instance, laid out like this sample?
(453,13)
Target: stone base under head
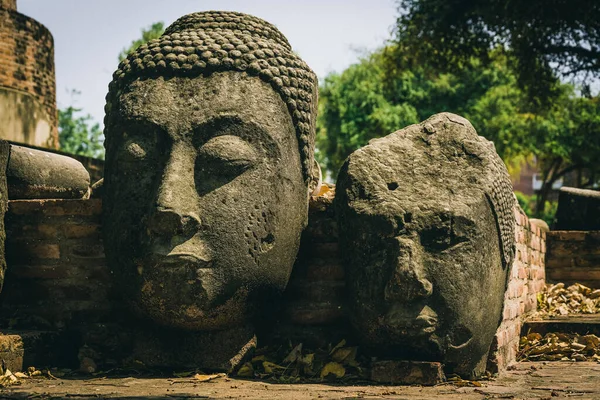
(426,230)
(221,351)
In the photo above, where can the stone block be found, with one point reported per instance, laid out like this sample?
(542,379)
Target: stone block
(578,209)
(36,174)
(407,372)
(22,349)
(11,352)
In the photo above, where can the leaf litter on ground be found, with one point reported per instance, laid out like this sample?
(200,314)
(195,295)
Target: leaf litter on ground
(296,364)
(557,300)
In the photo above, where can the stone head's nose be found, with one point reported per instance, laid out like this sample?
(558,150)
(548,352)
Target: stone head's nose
(407,280)
(176,208)
(172,222)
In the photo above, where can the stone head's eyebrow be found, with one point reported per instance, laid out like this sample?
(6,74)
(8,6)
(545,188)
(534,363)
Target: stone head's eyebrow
(231,124)
(132,123)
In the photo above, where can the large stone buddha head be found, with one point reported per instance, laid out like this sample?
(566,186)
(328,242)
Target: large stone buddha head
(209,148)
(427,231)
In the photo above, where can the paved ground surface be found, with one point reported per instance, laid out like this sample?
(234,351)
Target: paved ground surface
(550,380)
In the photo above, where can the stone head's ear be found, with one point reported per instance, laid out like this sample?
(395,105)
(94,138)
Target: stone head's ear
(316,179)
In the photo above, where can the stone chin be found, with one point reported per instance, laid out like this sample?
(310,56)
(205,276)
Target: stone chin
(203,312)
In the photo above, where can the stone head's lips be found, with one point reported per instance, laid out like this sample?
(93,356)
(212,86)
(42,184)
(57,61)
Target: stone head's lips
(404,317)
(179,258)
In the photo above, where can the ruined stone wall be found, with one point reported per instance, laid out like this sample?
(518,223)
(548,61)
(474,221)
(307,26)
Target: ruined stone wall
(574,257)
(57,275)
(527,277)
(27,79)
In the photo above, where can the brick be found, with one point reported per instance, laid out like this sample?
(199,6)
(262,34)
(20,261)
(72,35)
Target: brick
(511,310)
(56,207)
(567,235)
(20,252)
(36,65)
(48,231)
(80,231)
(523,273)
(87,250)
(574,275)
(40,272)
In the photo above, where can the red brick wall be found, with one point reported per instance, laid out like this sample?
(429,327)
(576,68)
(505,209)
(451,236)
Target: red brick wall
(526,279)
(57,274)
(574,257)
(27,60)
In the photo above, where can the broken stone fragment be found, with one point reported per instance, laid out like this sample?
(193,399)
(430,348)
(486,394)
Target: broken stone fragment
(37,174)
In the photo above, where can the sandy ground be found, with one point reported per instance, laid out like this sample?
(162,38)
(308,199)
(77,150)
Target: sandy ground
(550,380)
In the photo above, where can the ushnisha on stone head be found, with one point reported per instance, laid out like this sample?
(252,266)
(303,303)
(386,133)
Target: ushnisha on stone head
(427,232)
(209,152)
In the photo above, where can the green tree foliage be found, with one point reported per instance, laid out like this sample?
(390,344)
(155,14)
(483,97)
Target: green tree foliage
(152,32)
(77,134)
(529,205)
(379,95)
(373,98)
(353,108)
(548,38)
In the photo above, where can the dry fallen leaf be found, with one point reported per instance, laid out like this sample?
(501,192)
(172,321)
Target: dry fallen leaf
(333,368)
(560,300)
(342,343)
(559,346)
(345,355)
(206,378)
(246,370)
(270,367)
(294,355)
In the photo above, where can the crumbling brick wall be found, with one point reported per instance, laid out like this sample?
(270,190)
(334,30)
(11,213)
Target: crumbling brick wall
(527,277)
(27,60)
(574,257)
(57,275)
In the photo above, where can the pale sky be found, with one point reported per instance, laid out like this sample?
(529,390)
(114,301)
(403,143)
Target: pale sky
(89,34)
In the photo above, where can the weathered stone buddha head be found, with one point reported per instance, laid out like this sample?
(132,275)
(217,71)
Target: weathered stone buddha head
(209,148)
(427,231)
